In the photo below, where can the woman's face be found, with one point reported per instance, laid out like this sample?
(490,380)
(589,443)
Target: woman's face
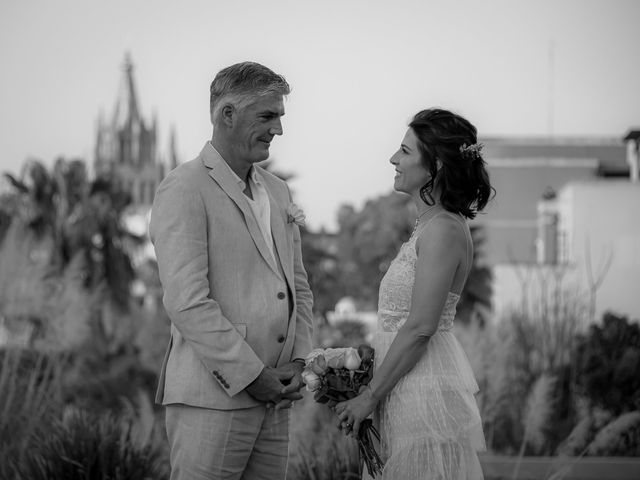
(411,175)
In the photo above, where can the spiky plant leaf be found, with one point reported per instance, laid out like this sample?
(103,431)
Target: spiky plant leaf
(92,446)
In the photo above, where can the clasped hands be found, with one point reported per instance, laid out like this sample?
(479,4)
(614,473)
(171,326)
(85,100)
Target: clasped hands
(278,387)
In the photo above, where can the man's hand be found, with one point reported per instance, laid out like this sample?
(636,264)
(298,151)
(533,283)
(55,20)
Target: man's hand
(290,375)
(267,387)
(278,387)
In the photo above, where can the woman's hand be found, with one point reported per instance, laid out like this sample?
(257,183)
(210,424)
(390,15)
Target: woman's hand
(352,412)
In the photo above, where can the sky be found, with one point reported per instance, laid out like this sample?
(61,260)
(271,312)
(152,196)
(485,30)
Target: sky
(359,70)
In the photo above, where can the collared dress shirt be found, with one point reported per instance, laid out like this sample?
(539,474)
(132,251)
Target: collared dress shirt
(260,205)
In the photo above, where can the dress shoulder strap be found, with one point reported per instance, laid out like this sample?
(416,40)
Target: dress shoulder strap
(444,212)
(469,242)
(465,229)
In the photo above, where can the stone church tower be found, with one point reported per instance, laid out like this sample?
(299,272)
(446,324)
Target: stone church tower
(127,145)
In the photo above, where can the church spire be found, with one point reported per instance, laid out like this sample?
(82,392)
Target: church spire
(173,155)
(126,112)
(126,144)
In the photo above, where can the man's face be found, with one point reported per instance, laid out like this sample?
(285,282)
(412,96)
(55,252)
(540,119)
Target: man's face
(255,126)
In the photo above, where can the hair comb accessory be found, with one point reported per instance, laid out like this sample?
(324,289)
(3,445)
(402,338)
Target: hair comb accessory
(471,152)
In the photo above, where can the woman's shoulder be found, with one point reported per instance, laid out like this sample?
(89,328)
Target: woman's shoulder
(444,230)
(445,223)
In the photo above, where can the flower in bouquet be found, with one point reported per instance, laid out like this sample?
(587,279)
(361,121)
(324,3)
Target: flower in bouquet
(338,374)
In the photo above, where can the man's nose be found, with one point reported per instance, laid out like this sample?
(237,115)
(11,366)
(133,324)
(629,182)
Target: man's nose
(276,128)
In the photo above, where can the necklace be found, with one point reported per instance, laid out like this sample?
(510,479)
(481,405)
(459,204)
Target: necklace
(415,226)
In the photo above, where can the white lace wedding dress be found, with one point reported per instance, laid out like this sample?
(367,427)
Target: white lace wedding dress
(429,423)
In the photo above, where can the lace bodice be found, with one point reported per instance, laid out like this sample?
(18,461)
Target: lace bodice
(396,288)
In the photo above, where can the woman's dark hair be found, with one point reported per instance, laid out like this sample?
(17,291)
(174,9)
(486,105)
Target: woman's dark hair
(463,178)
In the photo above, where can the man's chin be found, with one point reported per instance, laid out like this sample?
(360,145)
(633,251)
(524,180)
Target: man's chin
(262,155)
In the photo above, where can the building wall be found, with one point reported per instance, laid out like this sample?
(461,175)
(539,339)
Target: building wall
(522,170)
(603,222)
(510,220)
(600,223)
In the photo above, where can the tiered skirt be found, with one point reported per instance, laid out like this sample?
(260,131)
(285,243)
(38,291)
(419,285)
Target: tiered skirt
(429,423)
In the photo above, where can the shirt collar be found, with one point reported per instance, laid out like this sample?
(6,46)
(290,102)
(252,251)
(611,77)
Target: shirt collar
(252,172)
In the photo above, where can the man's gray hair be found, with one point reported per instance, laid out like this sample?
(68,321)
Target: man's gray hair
(242,83)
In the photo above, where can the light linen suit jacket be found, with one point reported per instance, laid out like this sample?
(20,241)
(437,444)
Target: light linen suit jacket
(227,296)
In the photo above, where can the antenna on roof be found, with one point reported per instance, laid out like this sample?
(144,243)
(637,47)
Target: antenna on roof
(551,105)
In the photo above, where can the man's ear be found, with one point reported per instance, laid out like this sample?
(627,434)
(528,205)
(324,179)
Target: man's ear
(227,114)
(438,164)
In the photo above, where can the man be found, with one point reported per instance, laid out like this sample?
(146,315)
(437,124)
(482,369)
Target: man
(235,289)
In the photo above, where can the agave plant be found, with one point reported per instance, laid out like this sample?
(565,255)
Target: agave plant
(85,445)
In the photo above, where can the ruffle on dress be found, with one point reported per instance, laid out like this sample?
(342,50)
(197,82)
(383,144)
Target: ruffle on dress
(430,423)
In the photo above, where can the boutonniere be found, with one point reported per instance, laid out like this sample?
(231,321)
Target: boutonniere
(295,215)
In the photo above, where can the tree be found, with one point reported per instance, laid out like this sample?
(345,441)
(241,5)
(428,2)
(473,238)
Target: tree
(64,253)
(369,240)
(475,300)
(322,270)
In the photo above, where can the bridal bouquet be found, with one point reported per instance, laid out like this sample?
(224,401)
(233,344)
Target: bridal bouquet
(336,375)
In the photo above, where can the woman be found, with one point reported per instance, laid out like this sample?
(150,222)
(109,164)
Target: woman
(423,386)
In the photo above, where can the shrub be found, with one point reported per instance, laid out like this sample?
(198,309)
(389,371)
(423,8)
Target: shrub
(85,445)
(608,364)
(100,383)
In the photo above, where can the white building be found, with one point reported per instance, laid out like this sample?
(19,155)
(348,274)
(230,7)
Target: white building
(588,242)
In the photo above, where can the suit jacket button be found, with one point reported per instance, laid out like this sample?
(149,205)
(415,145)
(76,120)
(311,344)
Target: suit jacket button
(280,338)
(281,295)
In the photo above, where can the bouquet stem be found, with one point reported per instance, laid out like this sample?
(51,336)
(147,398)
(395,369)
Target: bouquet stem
(368,454)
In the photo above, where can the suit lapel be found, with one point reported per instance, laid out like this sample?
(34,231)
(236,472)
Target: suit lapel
(223,177)
(278,231)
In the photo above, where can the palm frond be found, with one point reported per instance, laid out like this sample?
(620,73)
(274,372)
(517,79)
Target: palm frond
(15,183)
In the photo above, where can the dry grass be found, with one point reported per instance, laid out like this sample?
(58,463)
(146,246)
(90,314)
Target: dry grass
(514,356)
(318,450)
(31,398)
(619,437)
(488,350)
(538,411)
